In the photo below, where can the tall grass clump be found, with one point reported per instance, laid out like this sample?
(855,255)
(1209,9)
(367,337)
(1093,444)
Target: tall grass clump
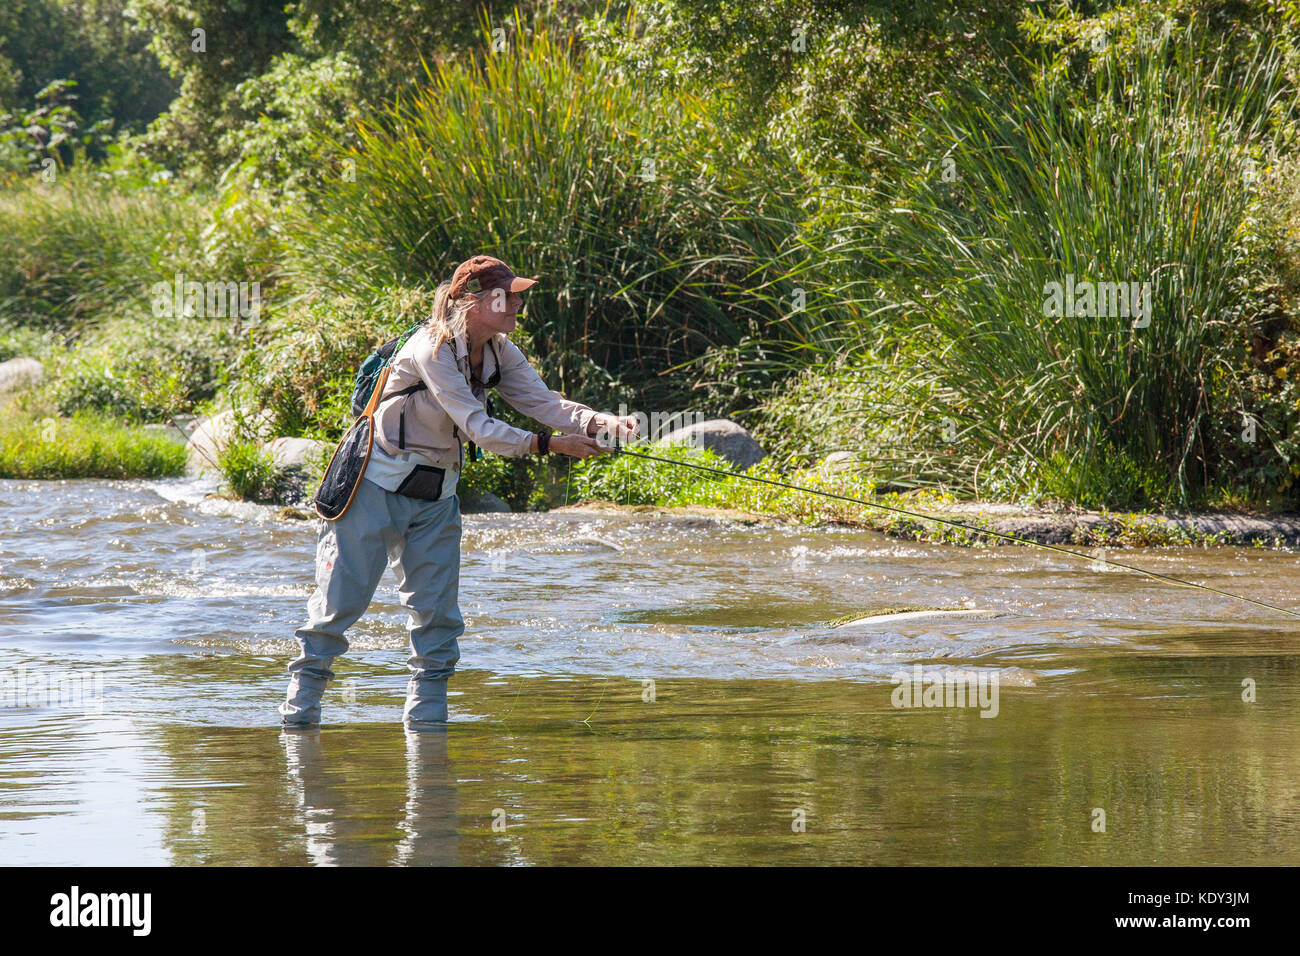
(649,232)
(250,472)
(1143,176)
(876,408)
(88,267)
(81,247)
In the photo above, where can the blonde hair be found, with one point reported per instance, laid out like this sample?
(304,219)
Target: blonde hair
(447,321)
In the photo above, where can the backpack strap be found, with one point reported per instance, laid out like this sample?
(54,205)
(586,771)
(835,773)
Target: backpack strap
(382,380)
(409,390)
(401,418)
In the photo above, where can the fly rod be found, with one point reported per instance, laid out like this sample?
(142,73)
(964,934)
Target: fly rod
(623,450)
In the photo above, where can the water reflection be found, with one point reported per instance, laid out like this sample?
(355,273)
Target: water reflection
(708,772)
(335,829)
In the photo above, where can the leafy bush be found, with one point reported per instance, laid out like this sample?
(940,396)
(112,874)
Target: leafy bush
(284,67)
(293,105)
(823,82)
(243,39)
(47,138)
(301,366)
(99,44)
(140,374)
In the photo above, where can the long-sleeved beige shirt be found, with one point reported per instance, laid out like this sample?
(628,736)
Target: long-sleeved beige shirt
(452,410)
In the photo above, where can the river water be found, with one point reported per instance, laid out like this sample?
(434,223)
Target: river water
(635,689)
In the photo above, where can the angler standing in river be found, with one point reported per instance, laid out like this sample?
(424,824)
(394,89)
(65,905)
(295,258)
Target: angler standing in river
(406,510)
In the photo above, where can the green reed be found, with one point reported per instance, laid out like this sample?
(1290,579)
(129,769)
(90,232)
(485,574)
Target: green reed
(649,224)
(1139,175)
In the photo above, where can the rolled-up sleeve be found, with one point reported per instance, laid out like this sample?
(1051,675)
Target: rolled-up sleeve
(448,386)
(524,389)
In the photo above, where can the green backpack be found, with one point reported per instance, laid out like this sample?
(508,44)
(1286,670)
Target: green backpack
(376,362)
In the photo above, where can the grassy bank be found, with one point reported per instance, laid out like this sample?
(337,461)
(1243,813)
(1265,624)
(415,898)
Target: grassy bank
(86,445)
(631,482)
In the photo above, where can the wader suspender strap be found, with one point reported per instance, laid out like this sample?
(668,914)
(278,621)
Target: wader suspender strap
(491,383)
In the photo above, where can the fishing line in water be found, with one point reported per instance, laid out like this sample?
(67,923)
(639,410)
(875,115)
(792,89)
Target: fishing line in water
(1168,579)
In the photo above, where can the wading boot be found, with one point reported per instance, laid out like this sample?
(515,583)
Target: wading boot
(426,703)
(301,707)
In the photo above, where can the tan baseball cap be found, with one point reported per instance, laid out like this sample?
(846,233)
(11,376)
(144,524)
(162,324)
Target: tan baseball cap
(483,273)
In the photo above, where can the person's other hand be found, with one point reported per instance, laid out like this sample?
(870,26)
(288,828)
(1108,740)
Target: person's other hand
(617,429)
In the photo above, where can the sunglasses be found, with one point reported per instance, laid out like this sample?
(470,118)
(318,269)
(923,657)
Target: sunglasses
(480,295)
